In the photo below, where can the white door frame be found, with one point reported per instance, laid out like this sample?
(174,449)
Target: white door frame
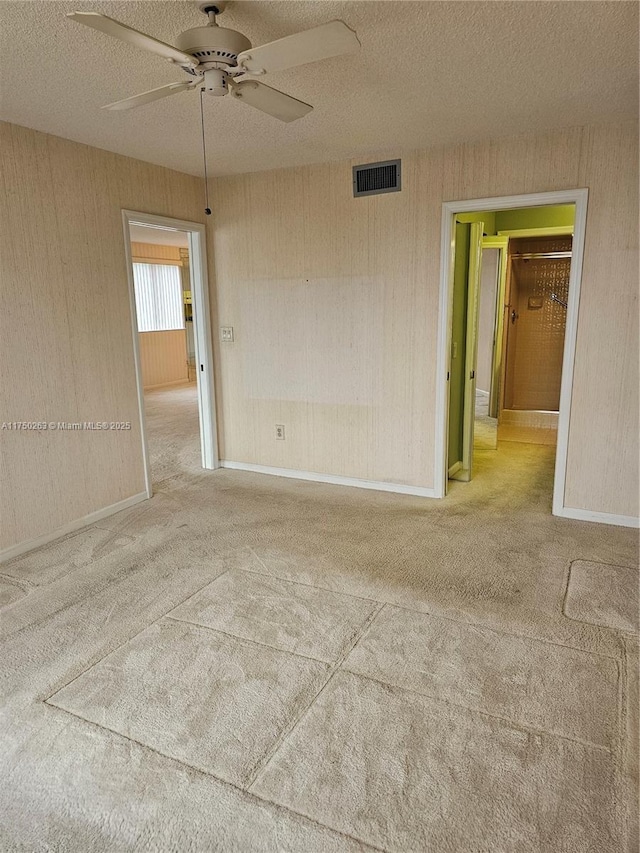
(202,333)
(578,197)
(474,272)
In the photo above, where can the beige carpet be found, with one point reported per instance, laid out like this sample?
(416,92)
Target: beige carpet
(603,595)
(485,429)
(173,432)
(247,663)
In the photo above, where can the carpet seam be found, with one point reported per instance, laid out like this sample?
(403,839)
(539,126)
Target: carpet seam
(521,727)
(601,626)
(270,754)
(193,594)
(267,573)
(28,586)
(247,640)
(210,775)
(483,626)
(119,574)
(121,645)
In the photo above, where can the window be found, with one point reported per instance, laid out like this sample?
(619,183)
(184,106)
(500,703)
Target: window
(158,293)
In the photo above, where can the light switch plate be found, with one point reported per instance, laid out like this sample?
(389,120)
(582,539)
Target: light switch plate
(226,334)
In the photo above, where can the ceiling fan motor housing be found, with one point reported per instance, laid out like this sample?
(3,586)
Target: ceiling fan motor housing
(213,47)
(215,82)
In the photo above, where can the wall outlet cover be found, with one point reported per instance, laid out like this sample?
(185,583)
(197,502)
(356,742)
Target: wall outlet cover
(280,432)
(226,334)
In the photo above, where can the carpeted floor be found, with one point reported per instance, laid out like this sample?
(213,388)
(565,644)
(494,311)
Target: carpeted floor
(173,432)
(248,663)
(485,428)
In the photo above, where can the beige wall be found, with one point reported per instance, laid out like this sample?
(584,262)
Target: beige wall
(148,253)
(334,302)
(163,358)
(66,328)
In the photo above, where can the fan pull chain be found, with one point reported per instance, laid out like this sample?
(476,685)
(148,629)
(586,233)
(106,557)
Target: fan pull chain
(207,209)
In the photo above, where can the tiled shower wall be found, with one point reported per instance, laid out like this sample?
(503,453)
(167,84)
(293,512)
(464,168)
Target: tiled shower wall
(535,340)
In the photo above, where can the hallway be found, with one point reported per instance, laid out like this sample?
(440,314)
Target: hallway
(173,431)
(252,663)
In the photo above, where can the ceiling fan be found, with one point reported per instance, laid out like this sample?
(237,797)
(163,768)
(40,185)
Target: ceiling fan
(215,57)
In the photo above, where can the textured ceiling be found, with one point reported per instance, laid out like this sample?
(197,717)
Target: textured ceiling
(428,73)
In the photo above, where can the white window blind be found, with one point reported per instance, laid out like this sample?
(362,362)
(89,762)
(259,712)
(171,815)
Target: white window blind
(158,292)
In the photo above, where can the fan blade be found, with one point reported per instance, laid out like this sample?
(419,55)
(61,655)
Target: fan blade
(269,100)
(152,95)
(125,33)
(323,42)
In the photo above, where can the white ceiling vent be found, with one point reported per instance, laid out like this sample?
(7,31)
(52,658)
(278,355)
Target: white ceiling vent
(376,178)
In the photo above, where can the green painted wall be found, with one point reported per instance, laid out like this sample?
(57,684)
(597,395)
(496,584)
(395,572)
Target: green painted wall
(485,216)
(458,335)
(535,217)
(551,216)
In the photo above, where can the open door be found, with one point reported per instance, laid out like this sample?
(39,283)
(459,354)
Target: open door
(502,245)
(464,348)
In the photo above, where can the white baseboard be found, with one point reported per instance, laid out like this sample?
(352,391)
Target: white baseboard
(78,524)
(480,391)
(334,480)
(597,517)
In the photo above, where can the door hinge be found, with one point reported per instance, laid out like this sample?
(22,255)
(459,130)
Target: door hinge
(472,375)
(447,375)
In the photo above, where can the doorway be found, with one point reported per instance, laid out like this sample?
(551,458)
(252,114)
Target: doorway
(166,265)
(509,299)
(536,301)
